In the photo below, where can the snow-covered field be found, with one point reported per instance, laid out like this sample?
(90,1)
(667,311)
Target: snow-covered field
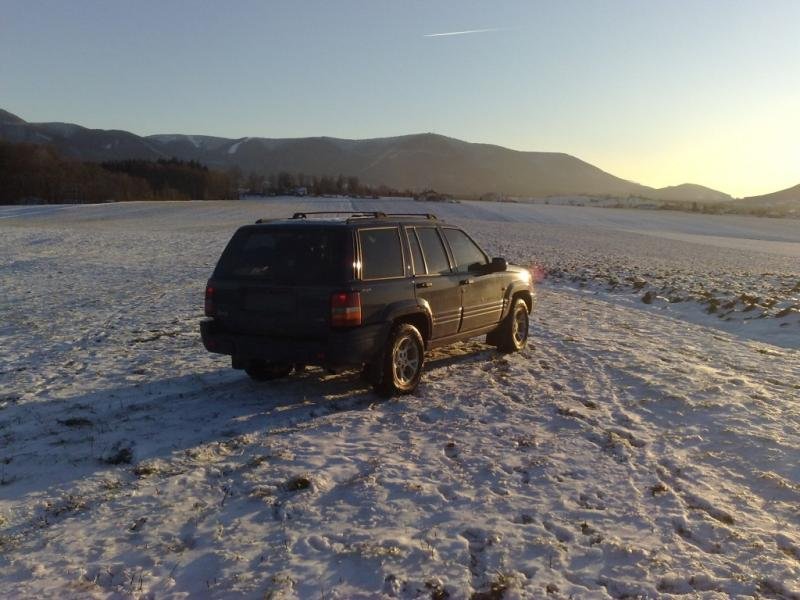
(632,450)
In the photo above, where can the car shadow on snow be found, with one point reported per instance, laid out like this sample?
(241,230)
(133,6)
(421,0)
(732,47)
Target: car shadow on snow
(46,443)
(50,444)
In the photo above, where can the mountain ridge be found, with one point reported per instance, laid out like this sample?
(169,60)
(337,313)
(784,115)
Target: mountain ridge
(411,161)
(782,198)
(698,193)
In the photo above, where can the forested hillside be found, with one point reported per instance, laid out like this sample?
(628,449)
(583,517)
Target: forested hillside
(31,173)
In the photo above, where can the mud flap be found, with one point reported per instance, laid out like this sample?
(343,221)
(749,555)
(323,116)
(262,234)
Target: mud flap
(493,337)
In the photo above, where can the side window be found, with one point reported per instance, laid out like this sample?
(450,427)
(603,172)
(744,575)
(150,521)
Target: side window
(435,255)
(381,254)
(465,252)
(416,251)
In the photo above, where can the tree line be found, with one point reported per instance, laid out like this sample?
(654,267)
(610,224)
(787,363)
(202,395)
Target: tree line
(35,173)
(285,183)
(38,173)
(176,179)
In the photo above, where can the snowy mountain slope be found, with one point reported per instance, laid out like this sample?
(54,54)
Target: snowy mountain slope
(417,161)
(625,452)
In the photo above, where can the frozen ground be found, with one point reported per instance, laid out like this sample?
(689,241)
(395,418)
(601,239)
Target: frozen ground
(632,450)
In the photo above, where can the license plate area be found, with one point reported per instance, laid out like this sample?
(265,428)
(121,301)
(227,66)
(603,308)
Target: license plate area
(272,301)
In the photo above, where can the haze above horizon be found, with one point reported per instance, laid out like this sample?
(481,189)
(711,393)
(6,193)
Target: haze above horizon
(660,94)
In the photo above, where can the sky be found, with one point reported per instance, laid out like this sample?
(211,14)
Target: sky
(657,92)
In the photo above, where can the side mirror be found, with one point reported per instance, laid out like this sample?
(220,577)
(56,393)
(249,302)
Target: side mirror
(498,264)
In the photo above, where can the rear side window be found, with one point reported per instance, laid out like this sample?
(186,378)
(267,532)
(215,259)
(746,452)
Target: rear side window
(286,256)
(435,255)
(416,252)
(381,254)
(466,253)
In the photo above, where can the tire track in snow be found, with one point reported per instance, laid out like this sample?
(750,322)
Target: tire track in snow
(711,490)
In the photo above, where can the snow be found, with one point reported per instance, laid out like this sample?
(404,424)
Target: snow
(631,450)
(198,141)
(63,129)
(165,138)
(235,147)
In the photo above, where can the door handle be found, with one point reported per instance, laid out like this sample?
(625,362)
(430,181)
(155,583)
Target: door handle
(424,284)
(467,281)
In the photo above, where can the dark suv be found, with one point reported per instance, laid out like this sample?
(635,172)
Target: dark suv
(371,290)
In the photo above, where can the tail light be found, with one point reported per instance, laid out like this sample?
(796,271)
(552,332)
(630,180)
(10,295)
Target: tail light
(210,309)
(345,309)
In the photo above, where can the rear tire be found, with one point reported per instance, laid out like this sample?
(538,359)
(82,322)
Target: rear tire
(401,363)
(260,370)
(512,335)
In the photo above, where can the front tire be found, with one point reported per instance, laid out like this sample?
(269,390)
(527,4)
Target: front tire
(402,361)
(260,370)
(512,335)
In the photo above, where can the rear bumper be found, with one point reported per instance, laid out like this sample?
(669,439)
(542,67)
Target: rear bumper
(348,347)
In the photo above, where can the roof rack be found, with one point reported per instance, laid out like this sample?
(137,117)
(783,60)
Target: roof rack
(351,215)
(375,214)
(428,216)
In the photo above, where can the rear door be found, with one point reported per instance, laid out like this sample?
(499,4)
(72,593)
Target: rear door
(482,293)
(434,281)
(383,271)
(278,280)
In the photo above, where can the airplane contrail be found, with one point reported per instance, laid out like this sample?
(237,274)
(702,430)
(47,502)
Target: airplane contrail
(447,33)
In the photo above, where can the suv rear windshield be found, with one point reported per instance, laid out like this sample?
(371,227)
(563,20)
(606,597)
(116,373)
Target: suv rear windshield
(288,256)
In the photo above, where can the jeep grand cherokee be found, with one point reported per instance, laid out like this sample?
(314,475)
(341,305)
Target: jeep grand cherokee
(369,290)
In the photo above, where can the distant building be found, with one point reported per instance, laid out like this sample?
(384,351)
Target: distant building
(433,196)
